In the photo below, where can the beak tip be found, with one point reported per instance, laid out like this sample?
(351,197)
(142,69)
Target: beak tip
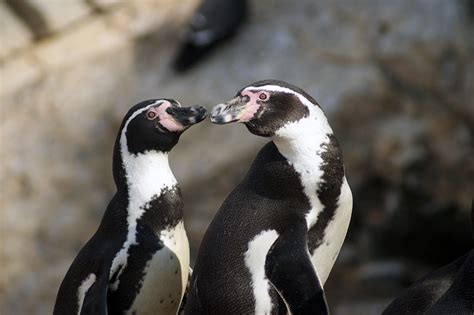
(222,120)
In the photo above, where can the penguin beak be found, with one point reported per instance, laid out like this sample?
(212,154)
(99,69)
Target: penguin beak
(230,111)
(187,116)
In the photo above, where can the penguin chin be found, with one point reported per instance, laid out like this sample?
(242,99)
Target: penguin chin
(259,130)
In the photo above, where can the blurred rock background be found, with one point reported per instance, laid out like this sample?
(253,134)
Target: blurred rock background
(396,79)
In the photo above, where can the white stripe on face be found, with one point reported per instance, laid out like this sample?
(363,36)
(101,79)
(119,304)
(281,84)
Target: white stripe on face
(135,114)
(277,88)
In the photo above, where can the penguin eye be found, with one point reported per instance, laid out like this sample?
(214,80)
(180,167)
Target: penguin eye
(151,115)
(263,96)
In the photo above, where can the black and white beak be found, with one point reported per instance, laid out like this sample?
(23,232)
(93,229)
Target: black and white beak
(230,111)
(187,116)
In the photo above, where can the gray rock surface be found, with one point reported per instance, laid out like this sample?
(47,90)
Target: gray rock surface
(13,32)
(396,79)
(47,17)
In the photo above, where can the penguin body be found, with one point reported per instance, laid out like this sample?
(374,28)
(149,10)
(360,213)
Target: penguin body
(261,253)
(138,260)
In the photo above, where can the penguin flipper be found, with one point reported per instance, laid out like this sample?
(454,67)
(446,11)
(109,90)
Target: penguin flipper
(95,300)
(288,267)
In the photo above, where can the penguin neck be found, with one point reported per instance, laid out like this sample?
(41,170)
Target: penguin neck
(147,176)
(301,143)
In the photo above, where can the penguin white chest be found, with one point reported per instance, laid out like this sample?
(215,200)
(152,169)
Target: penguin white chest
(165,275)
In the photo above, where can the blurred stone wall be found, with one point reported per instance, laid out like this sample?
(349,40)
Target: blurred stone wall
(396,79)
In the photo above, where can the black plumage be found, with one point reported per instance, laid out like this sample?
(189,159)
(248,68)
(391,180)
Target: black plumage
(221,281)
(214,22)
(447,290)
(257,254)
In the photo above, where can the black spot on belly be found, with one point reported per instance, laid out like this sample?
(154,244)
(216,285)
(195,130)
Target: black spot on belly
(328,191)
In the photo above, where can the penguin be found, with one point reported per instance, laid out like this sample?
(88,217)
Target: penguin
(137,262)
(214,22)
(447,290)
(273,242)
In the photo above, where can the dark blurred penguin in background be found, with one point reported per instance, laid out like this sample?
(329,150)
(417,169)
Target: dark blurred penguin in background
(214,22)
(448,290)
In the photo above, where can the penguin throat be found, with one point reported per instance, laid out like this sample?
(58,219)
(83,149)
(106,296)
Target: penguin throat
(301,141)
(147,175)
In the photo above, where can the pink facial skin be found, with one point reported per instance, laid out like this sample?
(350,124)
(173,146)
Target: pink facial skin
(165,119)
(252,106)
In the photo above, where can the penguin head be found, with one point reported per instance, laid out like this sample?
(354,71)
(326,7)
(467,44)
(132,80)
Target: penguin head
(156,125)
(266,106)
